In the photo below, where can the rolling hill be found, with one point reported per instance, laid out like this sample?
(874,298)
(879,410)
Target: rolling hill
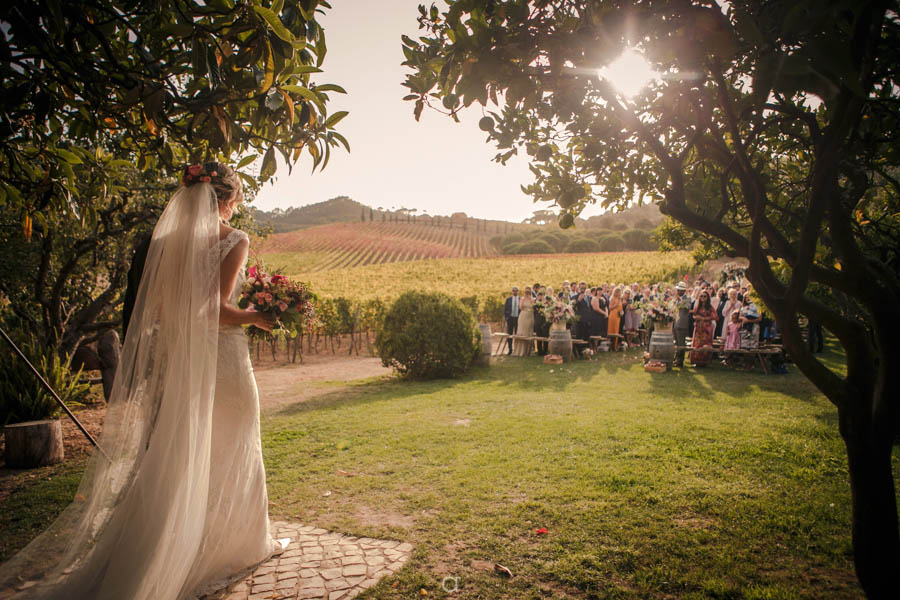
(374,242)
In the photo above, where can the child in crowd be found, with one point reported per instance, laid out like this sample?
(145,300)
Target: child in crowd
(732,335)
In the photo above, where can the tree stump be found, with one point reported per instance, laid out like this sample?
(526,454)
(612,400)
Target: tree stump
(33,444)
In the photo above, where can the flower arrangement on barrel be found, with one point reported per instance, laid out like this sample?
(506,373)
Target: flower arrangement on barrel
(275,294)
(558,312)
(657,310)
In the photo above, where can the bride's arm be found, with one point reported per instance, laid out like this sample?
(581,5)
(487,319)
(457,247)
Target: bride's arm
(228,274)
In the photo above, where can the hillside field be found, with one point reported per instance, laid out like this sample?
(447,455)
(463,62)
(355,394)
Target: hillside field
(482,277)
(342,245)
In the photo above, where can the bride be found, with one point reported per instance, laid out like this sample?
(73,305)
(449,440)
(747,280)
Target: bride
(173,503)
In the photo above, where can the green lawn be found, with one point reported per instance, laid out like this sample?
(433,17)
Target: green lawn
(691,484)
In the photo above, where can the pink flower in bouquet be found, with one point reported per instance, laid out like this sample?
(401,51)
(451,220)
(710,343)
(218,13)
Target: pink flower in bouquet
(195,170)
(260,298)
(268,297)
(277,279)
(282,306)
(252,272)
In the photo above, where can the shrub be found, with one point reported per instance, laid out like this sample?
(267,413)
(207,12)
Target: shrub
(23,398)
(583,245)
(618,225)
(611,243)
(492,309)
(553,241)
(511,248)
(534,247)
(638,239)
(428,336)
(470,302)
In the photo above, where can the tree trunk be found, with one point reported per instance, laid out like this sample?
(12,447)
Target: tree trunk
(876,541)
(33,444)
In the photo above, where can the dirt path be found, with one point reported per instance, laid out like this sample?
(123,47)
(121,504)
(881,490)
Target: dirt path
(288,383)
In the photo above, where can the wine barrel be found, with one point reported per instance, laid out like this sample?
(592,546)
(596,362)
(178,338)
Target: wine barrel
(662,347)
(487,345)
(561,344)
(33,444)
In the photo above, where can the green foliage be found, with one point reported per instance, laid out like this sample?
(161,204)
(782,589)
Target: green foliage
(22,396)
(611,243)
(158,85)
(533,247)
(470,302)
(638,239)
(105,101)
(428,336)
(582,245)
(492,308)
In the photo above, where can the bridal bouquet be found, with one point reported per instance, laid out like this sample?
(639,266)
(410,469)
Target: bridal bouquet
(277,295)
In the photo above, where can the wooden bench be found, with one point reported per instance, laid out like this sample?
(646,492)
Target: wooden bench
(759,353)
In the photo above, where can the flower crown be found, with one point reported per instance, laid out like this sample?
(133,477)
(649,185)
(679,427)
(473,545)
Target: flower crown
(197,174)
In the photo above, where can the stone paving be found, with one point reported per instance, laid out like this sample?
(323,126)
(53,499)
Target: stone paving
(319,564)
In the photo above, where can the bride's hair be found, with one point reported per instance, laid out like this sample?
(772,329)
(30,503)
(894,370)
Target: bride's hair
(224,180)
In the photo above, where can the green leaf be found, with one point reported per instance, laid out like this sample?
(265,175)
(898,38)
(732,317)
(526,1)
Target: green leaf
(331,87)
(275,23)
(69,157)
(246,161)
(337,136)
(198,58)
(335,118)
(268,164)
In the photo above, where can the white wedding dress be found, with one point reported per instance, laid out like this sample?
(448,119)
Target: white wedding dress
(173,503)
(236,533)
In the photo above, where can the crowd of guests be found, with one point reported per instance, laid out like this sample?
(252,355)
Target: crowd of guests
(703,312)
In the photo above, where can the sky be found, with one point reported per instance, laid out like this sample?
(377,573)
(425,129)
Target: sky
(436,166)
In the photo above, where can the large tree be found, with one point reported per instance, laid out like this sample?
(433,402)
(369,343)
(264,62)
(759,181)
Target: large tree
(105,101)
(771,133)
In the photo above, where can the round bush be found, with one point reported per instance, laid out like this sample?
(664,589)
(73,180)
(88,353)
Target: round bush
(638,239)
(553,241)
(612,243)
(534,247)
(428,336)
(583,245)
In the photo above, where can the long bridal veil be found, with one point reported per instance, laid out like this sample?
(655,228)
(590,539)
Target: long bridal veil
(136,522)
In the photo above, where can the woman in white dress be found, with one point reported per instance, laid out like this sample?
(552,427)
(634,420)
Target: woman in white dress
(173,503)
(526,325)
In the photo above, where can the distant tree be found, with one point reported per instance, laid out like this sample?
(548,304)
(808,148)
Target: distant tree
(541,217)
(371,214)
(362,216)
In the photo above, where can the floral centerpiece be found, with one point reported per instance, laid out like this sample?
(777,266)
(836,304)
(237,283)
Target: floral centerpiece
(658,311)
(557,312)
(277,295)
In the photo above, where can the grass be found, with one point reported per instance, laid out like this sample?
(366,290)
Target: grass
(693,484)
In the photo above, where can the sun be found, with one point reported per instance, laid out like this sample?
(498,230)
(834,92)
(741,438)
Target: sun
(629,73)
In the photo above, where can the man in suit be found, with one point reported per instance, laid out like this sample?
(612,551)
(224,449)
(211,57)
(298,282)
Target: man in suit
(511,314)
(541,325)
(682,320)
(134,280)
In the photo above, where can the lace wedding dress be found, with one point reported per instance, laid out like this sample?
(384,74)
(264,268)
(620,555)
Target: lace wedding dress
(173,502)
(236,533)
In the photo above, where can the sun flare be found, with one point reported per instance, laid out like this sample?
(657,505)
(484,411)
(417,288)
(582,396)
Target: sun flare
(629,73)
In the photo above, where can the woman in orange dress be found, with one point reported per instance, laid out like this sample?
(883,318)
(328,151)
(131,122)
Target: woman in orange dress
(616,310)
